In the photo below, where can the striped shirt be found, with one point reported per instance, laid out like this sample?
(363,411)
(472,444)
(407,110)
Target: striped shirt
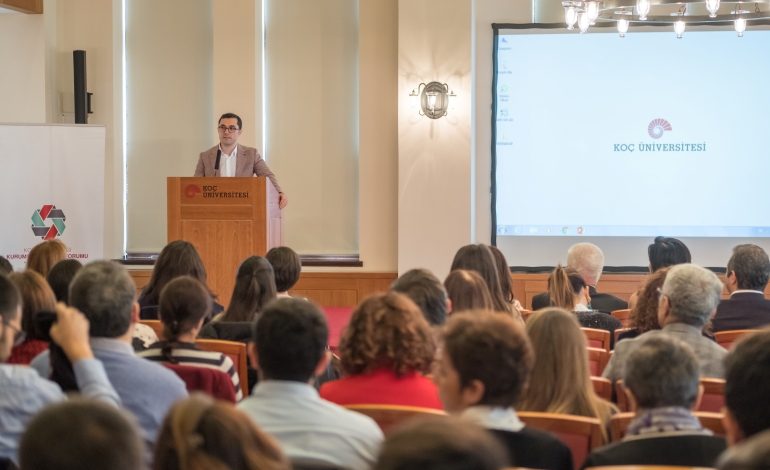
(187,354)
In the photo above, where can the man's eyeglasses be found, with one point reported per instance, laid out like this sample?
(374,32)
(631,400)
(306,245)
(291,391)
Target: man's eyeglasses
(228,128)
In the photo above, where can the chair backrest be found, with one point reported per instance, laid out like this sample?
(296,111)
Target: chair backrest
(602,387)
(713,395)
(597,338)
(620,331)
(525,314)
(200,379)
(620,421)
(579,433)
(235,351)
(388,417)
(728,337)
(156,326)
(597,361)
(624,315)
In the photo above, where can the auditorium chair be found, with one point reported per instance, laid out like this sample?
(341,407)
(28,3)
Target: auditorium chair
(620,331)
(156,326)
(581,434)
(624,315)
(713,398)
(728,337)
(388,417)
(619,423)
(602,387)
(235,351)
(212,382)
(597,361)
(597,338)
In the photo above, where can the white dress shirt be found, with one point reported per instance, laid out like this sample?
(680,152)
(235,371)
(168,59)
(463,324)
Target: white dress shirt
(227,162)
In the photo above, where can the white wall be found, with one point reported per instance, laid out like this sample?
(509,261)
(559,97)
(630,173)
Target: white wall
(22,81)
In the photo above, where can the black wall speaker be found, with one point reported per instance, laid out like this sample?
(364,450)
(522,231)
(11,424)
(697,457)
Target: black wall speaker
(82,105)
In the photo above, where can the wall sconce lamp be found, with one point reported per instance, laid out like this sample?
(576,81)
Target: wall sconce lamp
(434,99)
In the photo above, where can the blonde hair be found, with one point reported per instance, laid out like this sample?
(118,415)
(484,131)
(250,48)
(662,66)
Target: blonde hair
(563,285)
(560,381)
(43,256)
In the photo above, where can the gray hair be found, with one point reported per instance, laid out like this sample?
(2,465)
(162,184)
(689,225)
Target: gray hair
(663,371)
(104,292)
(693,293)
(588,260)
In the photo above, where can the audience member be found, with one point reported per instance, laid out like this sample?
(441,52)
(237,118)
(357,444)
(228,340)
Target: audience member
(81,434)
(105,293)
(748,271)
(426,291)
(289,349)
(5,266)
(751,454)
(644,313)
(688,300)
(286,267)
(385,352)
(662,378)
(504,273)
(483,367)
(24,392)
(467,291)
(441,444)
(184,304)
(201,433)
(663,252)
(568,290)
(747,386)
(60,277)
(560,381)
(588,260)
(178,258)
(43,256)
(37,299)
(479,258)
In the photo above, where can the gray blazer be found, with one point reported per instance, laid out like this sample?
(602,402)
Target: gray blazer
(248,162)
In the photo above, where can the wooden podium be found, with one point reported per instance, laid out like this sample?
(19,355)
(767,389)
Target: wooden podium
(227,219)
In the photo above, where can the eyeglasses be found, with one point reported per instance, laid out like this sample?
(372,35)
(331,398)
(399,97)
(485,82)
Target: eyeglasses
(228,128)
(17,333)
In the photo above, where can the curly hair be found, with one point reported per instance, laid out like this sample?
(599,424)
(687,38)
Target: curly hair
(387,330)
(645,312)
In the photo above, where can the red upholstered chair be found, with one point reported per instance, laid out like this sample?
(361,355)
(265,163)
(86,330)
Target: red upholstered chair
(624,315)
(209,381)
(602,387)
(579,433)
(597,338)
(389,416)
(237,353)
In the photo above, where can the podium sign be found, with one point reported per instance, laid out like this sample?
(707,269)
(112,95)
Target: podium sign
(227,219)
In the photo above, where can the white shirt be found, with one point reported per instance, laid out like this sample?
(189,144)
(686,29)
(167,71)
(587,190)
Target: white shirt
(747,291)
(227,162)
(493,417)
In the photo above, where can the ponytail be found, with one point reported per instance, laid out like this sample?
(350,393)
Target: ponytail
(563,284)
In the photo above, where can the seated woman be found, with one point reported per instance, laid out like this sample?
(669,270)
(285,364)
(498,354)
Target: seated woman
(645,313)
(199,433)
(568,290)
(36,297)
(479,258)
(560,380)
(467,291)
(386,350)
(178,258)
(184,303)
(43,256)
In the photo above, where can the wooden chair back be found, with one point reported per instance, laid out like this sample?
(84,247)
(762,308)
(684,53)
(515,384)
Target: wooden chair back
(597,361)
(389,417)
(602,387)
(728,337)
(624,315)
(579,433)
(619,331)
(597,338)
(712,401)
(236,352)
(619,423)
(156,326)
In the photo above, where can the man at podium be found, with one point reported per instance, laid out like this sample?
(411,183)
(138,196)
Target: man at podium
(230,159)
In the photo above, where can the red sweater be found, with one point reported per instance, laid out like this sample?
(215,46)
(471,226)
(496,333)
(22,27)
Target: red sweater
(26,351)
(382,387)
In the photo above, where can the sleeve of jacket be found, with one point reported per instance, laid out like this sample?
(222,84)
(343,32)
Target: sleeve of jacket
(261,169)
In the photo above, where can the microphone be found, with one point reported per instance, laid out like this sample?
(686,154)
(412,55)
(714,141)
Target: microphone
(219,155)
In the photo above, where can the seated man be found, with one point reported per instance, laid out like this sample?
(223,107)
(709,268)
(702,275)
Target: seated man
(105,293)
(289,349)
(426,291)
(588,260)
(662,377)
(483,367)
(688,299)
(747,387)
(748,271)
(23,393)
(81,434)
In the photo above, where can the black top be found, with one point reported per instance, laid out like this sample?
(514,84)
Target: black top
(602,302)
(532,448)
(690,450)
(148,311)
(742,311)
